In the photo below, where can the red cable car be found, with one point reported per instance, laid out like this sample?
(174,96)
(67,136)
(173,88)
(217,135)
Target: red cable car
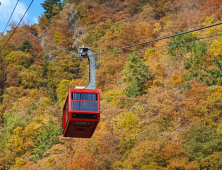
(81,111)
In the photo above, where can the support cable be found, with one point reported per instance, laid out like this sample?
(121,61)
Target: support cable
(171,46)
(40,40)
(140,51)
(43,40)
(10,18)
(17,25)
(49,43)
(39,59)
(166,37)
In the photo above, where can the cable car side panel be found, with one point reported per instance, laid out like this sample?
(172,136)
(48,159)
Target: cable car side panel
(65,114)
(80,131)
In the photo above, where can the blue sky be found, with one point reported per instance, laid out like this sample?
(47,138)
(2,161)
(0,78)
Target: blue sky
(31,17)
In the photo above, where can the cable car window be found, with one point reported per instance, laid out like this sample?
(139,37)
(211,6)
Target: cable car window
(84,106)
(84,96)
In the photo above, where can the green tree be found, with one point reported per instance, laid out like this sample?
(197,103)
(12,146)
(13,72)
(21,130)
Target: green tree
(179,51)
(64,2)
(48,138)
(137,74)
(12,141)
(192,54)
(195,62)
(202,141)
(198,52)
(13,121)
(48,7)
(26,45)
(215,74)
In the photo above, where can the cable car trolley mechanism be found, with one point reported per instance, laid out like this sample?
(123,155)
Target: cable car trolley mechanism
(81,111)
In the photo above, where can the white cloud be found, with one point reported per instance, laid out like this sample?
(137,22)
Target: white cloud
(35,20)
(6,9)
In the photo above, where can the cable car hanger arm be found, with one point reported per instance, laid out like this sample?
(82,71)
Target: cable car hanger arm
(85,52)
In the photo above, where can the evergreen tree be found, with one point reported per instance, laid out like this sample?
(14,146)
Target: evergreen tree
(202,140)
(26,45)
(12,121)
(198,52)
(215,74)
(179,51)
(48,138)
(48,7)
(137,74)
(64,2)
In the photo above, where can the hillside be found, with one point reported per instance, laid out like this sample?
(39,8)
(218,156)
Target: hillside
(161,102)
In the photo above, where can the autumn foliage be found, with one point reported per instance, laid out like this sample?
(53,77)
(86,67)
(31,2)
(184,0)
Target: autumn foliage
(161,102)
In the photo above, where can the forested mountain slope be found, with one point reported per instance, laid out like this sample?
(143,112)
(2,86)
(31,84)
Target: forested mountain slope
(161,102)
